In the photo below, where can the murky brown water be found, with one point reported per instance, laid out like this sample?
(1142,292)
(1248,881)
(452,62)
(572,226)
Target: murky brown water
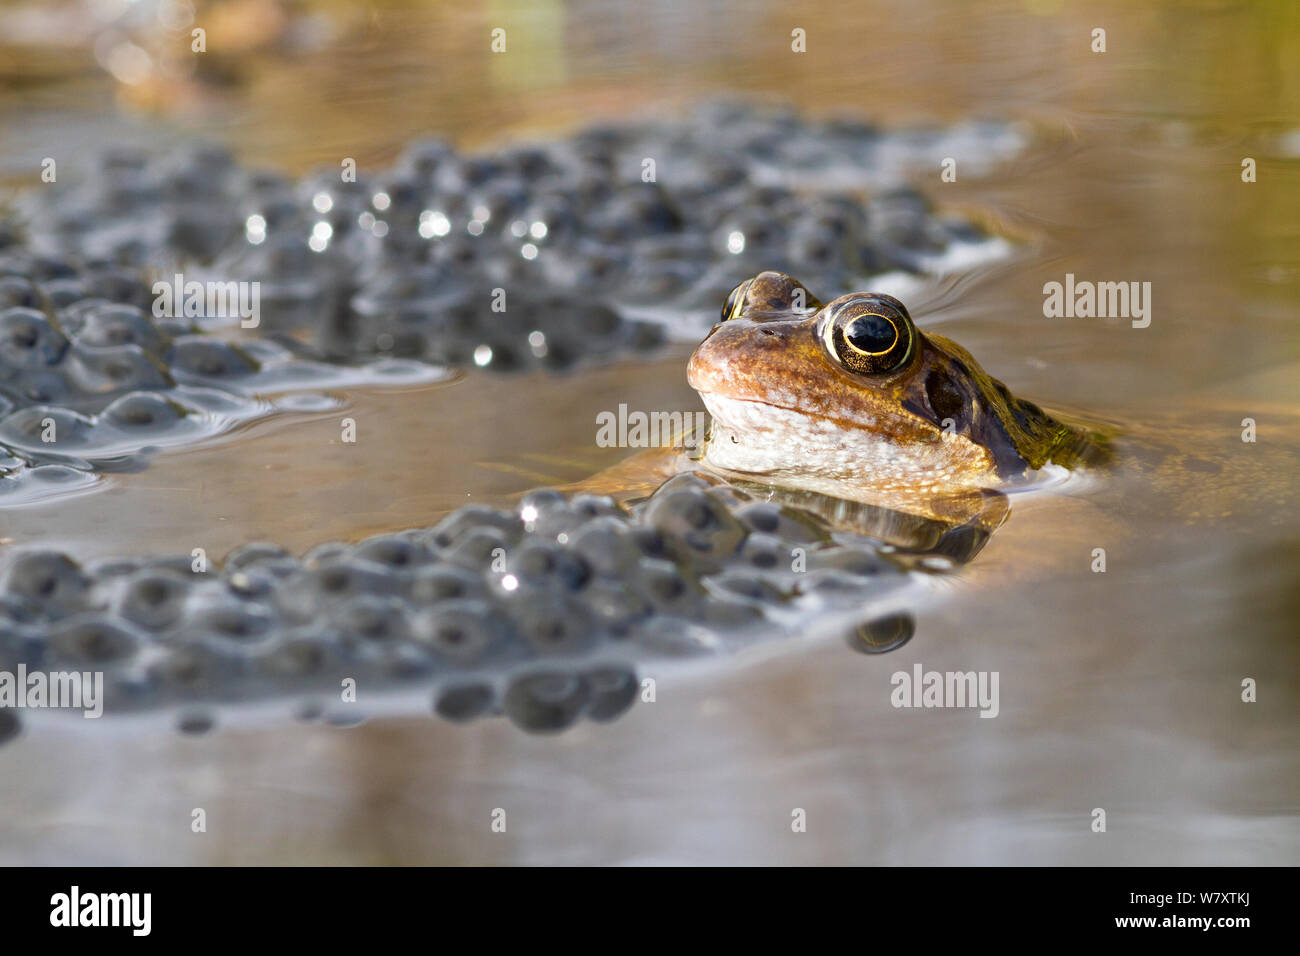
(1119,690)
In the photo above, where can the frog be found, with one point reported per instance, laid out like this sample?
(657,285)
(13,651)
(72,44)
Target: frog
(849,399)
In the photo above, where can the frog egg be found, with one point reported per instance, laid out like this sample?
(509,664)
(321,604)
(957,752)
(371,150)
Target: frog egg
(589,320)
(703,178)
(461,632)
(532,163)
(471,518)
(749,233)
(143,413)
(788,525)
(29,428)
(463,702)
(325,553)
(858,561)
(119,287)
(591,266)
(298,656)
(273,214)
(551,514)
(553,625)
(477,549)
(423,157)
(406,663)
(458,175)
(499,202)
(262,555)
(605,545)
(396,551)
(210,360)
(589,506)
(398,199)
(635,213)
(103,324)
(238,622)
(814,247)
(49,581)
(91,644)
(613,690)
(541,501)
(117,160)
(28,340)
(17,292)
(765,552)
(500,355)
(256,583)
(112,369)
(601,139)
(902,218)
(134,194)
(193,668)
(442,582)
(615,607)
(372,619)
(334,581)
(46,267)
(196,723)
(652,282)
(666,587)
(154,599)
(546,701)
(652,542)
(541,565)
(697,521)
(458,252)
(60,293)
(19,644)
(203,232)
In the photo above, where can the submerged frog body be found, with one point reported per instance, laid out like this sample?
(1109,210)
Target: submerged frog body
(850,399)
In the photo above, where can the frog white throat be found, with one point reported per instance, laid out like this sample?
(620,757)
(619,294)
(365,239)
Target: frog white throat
(796,450)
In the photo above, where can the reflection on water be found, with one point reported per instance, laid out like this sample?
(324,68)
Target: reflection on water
(1120,689)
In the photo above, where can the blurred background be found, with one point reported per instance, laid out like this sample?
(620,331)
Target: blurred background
(297,83)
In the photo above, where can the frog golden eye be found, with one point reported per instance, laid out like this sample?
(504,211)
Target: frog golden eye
(870,335)
(735,301)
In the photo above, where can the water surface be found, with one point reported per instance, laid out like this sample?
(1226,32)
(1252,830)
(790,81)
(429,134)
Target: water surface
(1118,690)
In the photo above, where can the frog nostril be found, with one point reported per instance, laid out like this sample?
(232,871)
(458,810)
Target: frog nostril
(767,331)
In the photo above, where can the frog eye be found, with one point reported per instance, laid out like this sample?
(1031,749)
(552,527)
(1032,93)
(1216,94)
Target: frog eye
(735,301)
(869,334)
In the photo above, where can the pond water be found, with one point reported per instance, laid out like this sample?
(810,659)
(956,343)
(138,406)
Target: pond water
(1119,690)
